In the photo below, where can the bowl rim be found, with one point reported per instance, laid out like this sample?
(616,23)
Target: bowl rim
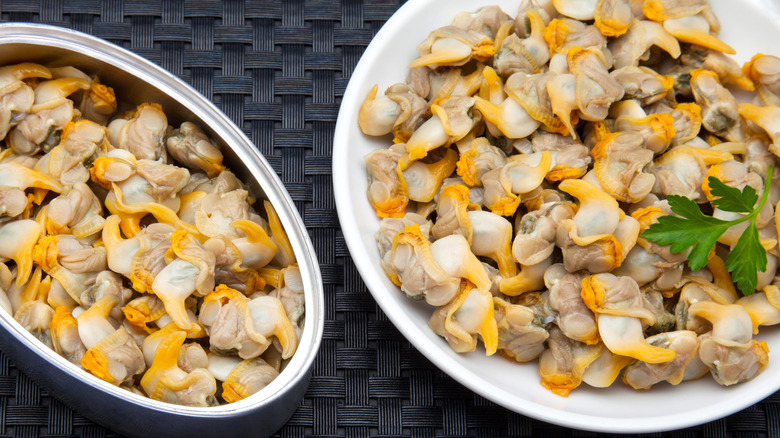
(378,287)
(298,368)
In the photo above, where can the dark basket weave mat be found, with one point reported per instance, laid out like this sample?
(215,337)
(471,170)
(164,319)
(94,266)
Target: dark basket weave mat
(278,69)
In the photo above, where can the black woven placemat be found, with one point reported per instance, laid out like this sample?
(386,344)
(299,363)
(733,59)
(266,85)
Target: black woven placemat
(278,69)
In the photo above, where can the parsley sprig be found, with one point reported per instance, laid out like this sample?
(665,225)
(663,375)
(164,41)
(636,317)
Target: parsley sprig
(692,228)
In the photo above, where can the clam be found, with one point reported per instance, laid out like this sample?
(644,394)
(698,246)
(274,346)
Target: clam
(413,267)
(570,156)
(613,17)
(79,212)
(727,69)
(564,33)
(527,55)
(236,323)
(291,296)
(695,29)
(218,211)
(595,89)
(451,121)
(564,362)
(17,97)
(71,262)
(520,334)
(657,129)
(642,83)
(423,180)
(696,291)
(98,103)
(229,266)
(492,238)
(79,142)
(240,378)
(729,350)
(106,283)
(111,354)
(172,285)
(378,115)
(587,239)
(144,311)
(452,45)
(149,259)
(400,111)
(616,301)
(535,238)
(453,254)
(562,93)
(486,20)
(762,306)
(177,227)
(387,189)
(257,249)
(50,112)
(605,369)
(191,147)
(35,316)
(578,9)
(719,107)
(643,375)
(509,117)
(529,279)
(65,335)
(467,316)
(165,381)
(633,46)
(481,158)
(572,124)
(767,118)
(19,239)
(13,174)
(13,202)
(620,163)
(687,122)
(764,72)
(452,213)
(681,170)
(142,134)
(571,313)
(531,92)
(388,228)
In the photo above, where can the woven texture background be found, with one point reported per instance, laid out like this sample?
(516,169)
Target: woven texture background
(278,70)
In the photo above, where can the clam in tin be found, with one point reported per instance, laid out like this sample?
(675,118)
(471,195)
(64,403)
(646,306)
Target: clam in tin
(137,81)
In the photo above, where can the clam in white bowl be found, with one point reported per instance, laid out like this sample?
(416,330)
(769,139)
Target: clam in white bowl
(750,26)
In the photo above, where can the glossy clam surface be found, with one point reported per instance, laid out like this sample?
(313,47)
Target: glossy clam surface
(512,385)
(136,80)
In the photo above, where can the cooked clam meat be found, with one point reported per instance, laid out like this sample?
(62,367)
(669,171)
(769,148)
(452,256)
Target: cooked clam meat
(572,128)
(130,249)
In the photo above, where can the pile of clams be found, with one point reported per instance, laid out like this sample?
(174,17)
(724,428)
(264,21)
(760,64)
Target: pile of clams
(128,248)
(529,155)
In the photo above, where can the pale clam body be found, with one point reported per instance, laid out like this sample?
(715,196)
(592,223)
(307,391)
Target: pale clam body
(73,256)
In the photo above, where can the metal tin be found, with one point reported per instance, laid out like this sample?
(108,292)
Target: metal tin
(137,80)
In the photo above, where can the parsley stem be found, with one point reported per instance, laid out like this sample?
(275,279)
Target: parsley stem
(765,195)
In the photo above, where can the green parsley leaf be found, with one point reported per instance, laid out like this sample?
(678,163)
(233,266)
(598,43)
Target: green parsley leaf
(746,259)
(692,229)
(699,232)
(730,198)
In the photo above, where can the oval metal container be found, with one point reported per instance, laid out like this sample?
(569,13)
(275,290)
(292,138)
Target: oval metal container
(137,80)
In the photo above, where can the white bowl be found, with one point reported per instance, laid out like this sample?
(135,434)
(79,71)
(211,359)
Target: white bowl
(750,26)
